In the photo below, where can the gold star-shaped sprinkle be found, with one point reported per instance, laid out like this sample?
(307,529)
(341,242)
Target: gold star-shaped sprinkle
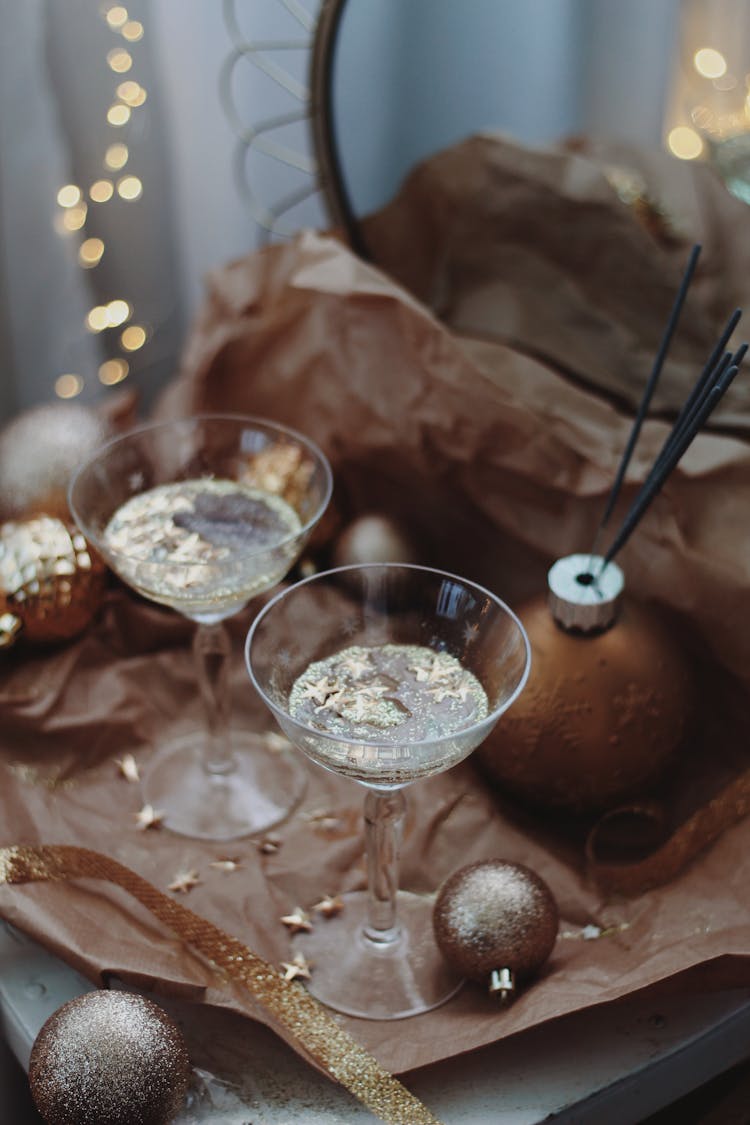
(438,674)
(269,844)
(329,907)
(356,666)
(322,818)
(149,817)
(128,767)
(298,967)
(318,691)
(184,881)
(439,693)
(226,863)
(355,706)
(421,674)
(297,921)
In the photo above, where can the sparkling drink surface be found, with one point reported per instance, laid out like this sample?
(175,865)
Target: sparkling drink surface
(386,713)
(203,546)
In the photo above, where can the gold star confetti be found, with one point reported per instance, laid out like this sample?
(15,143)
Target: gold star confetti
(319,691)
(356,665)
(269,844)
(439,669)
(334,700)
(184,881)
(298,967)
(128,767)
(322,818)
(440,693)
(226,863)
(329,907)
(297,921)
(149,817)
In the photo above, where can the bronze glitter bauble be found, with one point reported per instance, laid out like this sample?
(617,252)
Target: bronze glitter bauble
(51,583)
(495,921)
(373,539)
(109,1058)
(39,450)
(600,715)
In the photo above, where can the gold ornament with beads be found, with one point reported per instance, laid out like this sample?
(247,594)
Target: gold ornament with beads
(51,583)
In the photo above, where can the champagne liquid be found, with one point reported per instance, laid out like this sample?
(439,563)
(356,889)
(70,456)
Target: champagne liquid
(204,546)
(392,709)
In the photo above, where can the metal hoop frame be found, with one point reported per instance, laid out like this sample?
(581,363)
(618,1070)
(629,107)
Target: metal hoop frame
(322,119)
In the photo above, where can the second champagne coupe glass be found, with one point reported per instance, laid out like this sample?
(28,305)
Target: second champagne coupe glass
(202,514)
(385,674)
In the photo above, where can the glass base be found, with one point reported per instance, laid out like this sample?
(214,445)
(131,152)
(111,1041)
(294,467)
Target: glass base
(354,975)
(262,789)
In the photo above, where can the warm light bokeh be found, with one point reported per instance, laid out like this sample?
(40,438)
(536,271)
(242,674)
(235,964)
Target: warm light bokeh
(113,371)
(684,143)
(90,253)
(116,156)
(709,62)
(133,338)
(68,386)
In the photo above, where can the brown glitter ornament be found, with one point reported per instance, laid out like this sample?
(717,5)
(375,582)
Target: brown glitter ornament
(51,583)
(39,450)
(109,1058)
(606,704)
(495,922)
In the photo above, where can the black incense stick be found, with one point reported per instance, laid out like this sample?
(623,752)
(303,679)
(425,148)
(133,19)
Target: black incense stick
(700,392)
(710,371)
(666,463)
(653,378)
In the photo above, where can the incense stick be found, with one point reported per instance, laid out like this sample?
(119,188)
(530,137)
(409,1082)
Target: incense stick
(676,445)
(710,371)
(653,379)
(690,411)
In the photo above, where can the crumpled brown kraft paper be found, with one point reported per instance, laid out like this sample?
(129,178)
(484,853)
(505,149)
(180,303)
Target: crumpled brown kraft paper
(532,248)
(497,464)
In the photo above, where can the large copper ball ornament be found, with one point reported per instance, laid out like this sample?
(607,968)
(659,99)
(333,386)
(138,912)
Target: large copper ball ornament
(495,921)
(600,716)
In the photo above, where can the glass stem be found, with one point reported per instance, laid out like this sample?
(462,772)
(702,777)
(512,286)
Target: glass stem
(384,817)
(212,649)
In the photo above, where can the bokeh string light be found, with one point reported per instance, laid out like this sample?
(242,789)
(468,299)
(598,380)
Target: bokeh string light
(709,118)
(79,206)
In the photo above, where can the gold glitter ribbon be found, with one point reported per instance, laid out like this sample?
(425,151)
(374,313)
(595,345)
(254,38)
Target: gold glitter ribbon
(702,828)
(287,1002)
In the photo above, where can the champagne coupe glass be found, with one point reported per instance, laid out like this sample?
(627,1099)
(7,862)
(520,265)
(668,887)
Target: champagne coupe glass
(384,673)
(202,514)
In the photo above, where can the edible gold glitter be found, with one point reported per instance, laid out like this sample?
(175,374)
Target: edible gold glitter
(391,708)
(205,541)
(287,1004)
(388,693)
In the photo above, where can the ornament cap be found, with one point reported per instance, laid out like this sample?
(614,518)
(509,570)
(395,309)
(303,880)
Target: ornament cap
(584,595)
(502,984)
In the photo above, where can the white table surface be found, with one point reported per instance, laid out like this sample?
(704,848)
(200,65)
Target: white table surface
(616,1063)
